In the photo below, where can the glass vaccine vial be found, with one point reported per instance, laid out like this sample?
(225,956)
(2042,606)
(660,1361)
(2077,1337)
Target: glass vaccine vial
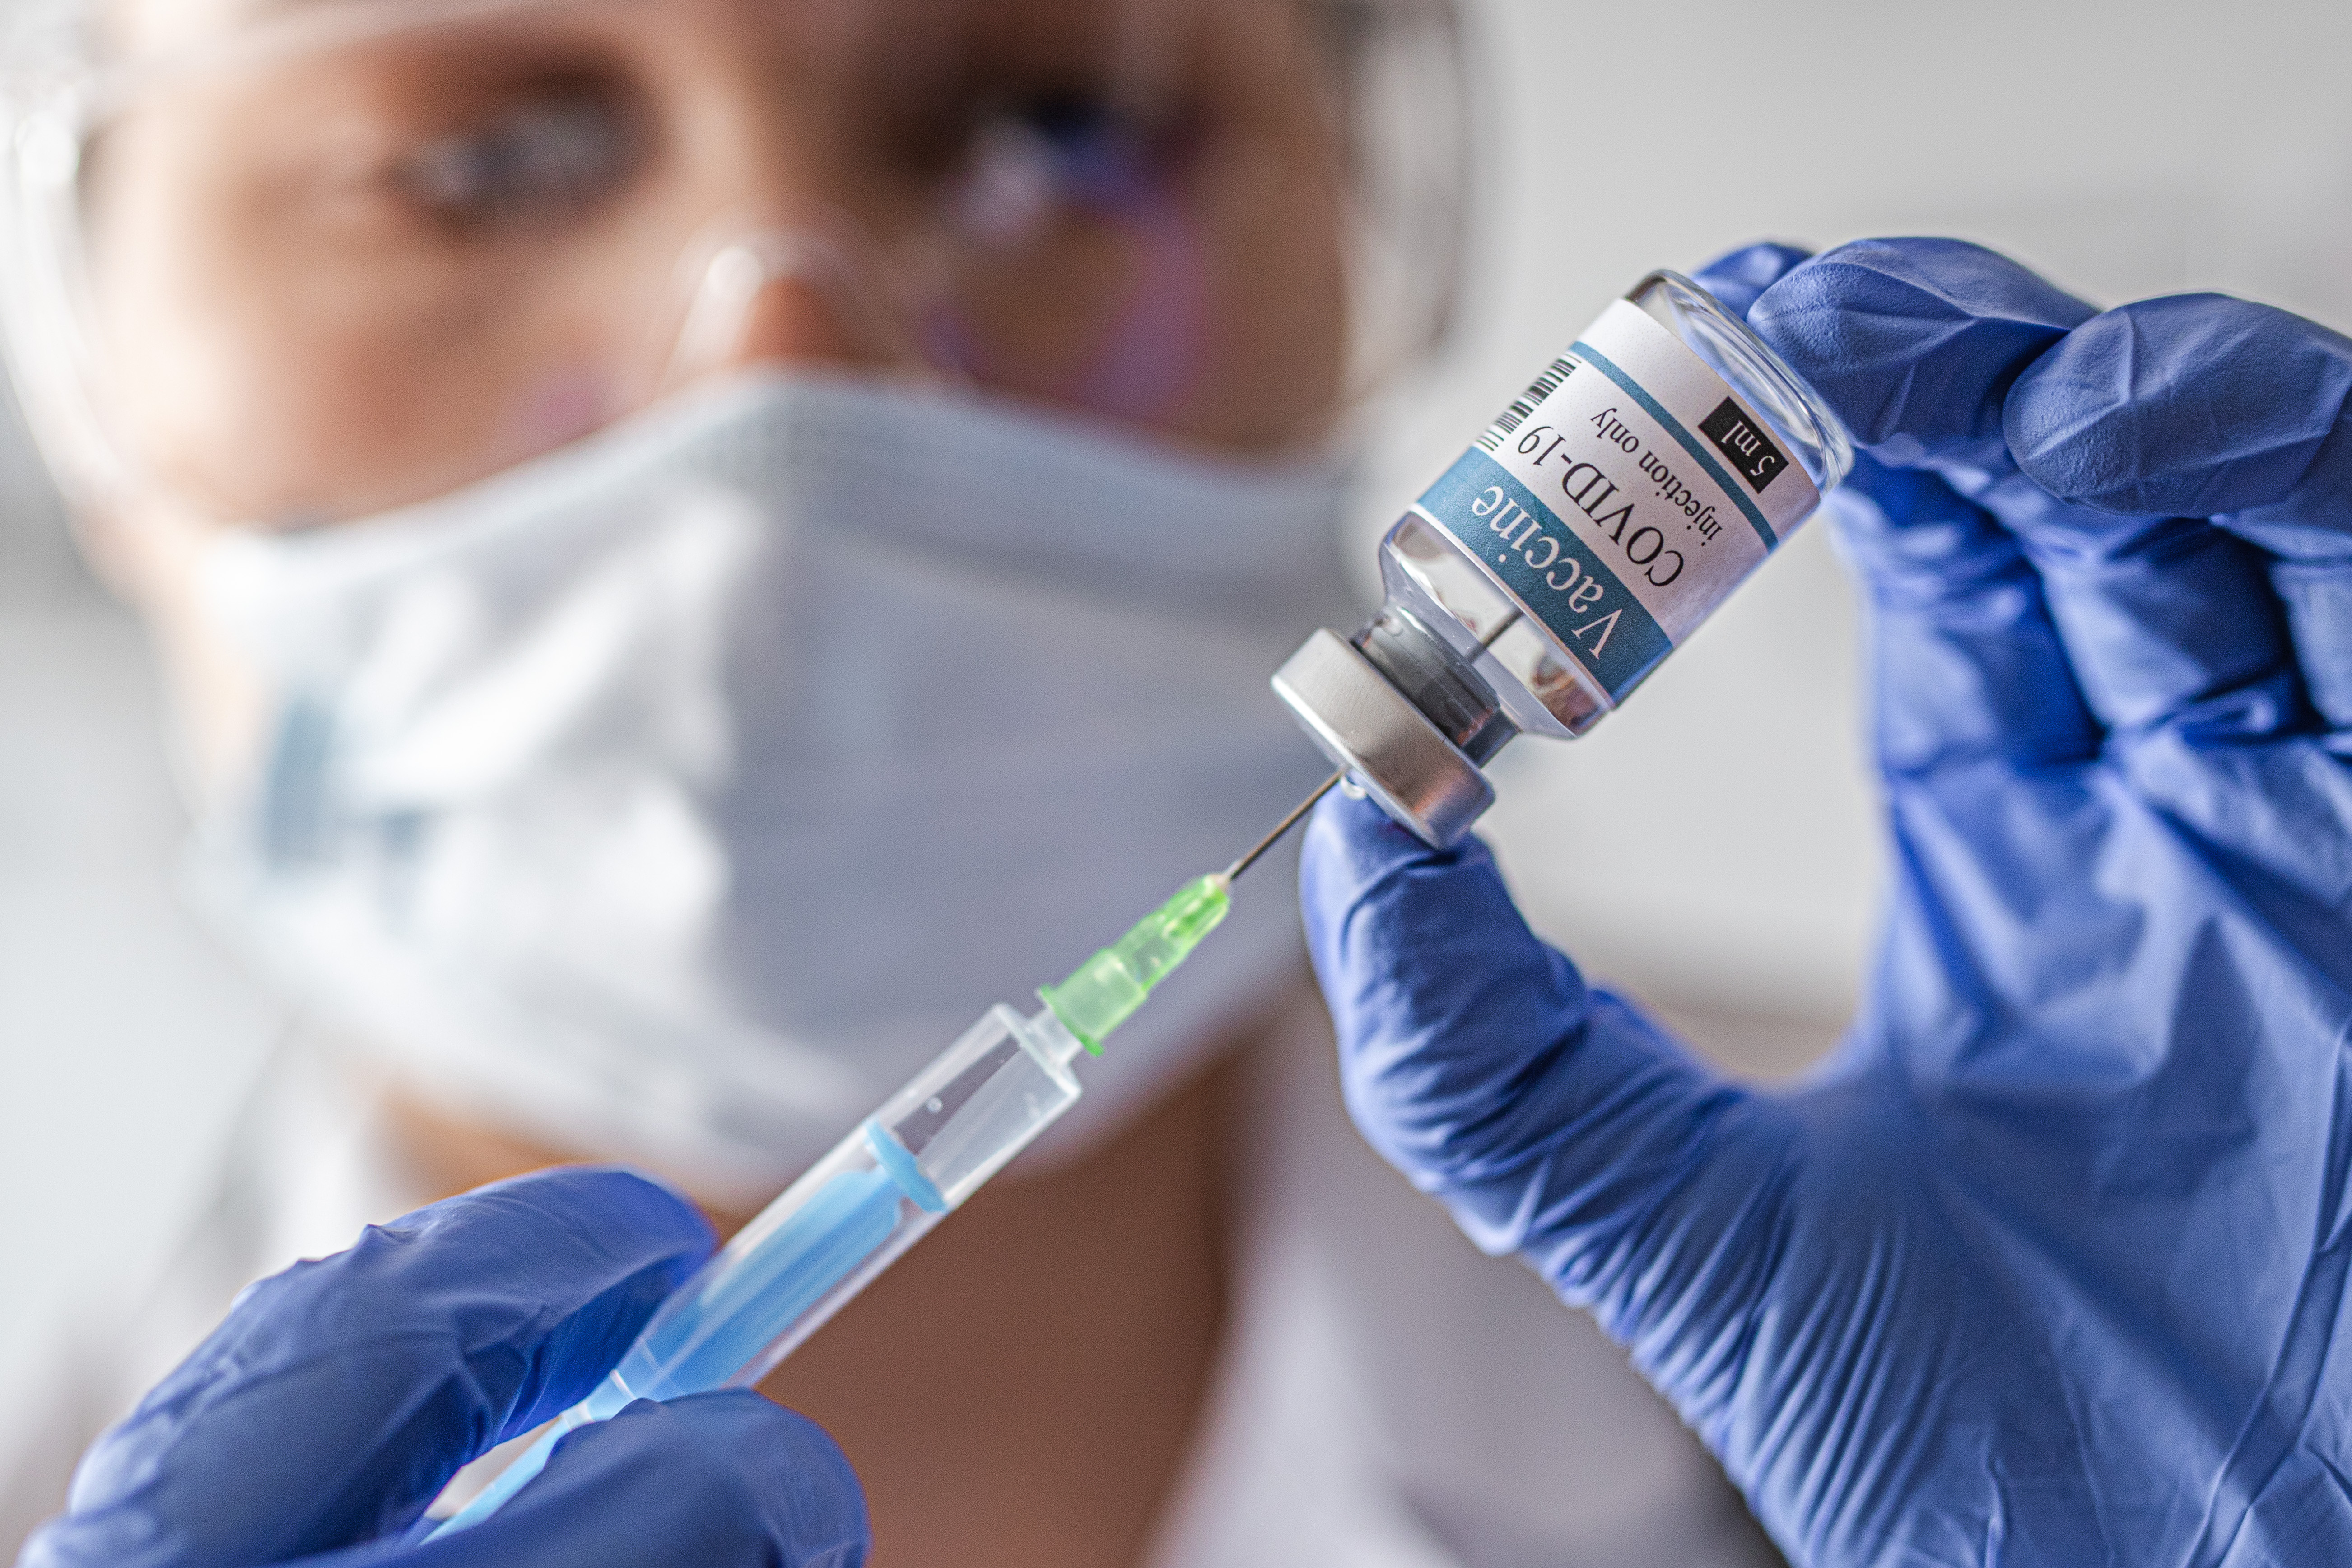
(1583,538)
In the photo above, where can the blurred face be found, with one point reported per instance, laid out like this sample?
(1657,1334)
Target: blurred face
(345,254)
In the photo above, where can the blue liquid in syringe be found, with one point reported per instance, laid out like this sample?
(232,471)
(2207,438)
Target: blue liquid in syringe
(705,1343)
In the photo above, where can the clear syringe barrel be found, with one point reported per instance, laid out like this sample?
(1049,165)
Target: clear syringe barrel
(904,1169)
(849,1217)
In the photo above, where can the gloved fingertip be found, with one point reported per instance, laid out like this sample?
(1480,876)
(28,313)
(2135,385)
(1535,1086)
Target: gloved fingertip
(1738,277)
(1913,342)
(810,1495)
(1407,942)
(626,1209)
(583,1255)
(1354,841)
(716,1480)
(1355,858)
(2190,406)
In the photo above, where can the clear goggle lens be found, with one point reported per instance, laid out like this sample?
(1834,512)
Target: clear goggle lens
(358,253)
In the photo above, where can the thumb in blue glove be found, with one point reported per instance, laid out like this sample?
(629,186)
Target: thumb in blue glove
(338,1399)
(2048,1263)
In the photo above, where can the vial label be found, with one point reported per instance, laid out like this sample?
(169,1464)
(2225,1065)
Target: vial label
(1623,497)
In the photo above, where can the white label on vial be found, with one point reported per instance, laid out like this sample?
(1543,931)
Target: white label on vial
(1623,497)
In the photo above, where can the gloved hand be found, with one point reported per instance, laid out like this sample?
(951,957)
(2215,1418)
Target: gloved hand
(338,1399)
(2048,1263)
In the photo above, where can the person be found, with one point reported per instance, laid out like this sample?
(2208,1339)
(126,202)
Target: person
(697,544)
(2045,1266)
(2047,1263)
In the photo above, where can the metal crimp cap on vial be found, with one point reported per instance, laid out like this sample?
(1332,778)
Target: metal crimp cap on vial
(1387,745)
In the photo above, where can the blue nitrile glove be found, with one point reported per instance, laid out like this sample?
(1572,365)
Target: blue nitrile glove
(2048,1263)
(338,1399)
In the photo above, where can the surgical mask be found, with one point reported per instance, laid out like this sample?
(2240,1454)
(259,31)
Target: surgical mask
(674,796)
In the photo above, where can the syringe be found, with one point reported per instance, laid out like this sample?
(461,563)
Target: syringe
(907,1167)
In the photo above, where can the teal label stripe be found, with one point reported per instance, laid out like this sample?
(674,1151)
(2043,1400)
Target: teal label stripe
(1552,572)
(1691,443)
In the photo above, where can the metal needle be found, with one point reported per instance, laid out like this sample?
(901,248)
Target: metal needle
(1287,823)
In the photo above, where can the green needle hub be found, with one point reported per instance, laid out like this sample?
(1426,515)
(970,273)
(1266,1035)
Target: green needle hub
(1108,987)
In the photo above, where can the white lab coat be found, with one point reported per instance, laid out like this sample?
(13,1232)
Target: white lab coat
(1389,1398)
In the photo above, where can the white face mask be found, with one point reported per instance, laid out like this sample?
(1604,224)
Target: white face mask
(676,796)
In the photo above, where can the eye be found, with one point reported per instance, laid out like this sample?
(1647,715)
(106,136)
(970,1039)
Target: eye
(1096,149)
(1026,162)
(542,160)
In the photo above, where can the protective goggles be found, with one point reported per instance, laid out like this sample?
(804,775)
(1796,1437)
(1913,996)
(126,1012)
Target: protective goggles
(293,260)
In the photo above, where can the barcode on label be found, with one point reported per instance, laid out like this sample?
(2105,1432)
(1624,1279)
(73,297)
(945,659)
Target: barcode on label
(1517,414)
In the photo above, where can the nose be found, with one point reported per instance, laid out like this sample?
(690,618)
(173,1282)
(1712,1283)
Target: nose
(780,296)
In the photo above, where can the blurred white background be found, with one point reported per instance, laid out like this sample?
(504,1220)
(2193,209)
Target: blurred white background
(1714,848)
